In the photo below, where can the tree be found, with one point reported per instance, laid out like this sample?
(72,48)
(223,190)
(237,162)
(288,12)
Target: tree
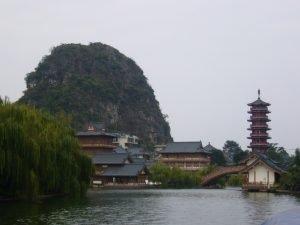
(39,155)
(217,157)
(233,152)
(291,179)
(297,158)
(239,156)
(279,155)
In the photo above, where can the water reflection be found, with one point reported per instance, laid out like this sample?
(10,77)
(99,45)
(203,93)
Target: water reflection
(209,207)
(262,205)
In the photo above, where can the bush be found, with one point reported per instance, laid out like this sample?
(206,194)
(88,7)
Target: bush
(291,179)
(235,180)
(176,177)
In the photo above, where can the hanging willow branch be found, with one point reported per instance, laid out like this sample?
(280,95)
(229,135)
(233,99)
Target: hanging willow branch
(39,154)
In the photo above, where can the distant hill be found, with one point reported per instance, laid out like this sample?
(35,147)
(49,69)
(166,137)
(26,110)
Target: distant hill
(96,82)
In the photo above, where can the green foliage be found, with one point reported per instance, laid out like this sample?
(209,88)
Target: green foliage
(234,152)
(235,180)
(221,182)
(240,155)
(39,155)
(291,179)
(96,82)
(279,155)
(217,157)
(177,178)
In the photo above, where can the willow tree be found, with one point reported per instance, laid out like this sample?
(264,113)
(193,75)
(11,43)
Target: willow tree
(39,154)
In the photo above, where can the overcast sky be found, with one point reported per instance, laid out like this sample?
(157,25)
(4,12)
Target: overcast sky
(204,59)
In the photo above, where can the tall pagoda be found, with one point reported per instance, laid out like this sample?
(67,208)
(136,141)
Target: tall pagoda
(259,127)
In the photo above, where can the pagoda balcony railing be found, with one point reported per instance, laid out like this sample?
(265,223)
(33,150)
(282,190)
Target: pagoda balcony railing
(259,110)
(265,118)
(259,127)
(259,136)
(97,146)
(173,159)
(259,145)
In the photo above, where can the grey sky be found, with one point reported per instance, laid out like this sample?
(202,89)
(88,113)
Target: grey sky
(204,59)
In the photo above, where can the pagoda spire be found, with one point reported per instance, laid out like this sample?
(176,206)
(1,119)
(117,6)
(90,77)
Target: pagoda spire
(258,93)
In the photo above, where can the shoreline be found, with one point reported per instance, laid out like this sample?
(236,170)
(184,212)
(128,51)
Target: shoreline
(4,200)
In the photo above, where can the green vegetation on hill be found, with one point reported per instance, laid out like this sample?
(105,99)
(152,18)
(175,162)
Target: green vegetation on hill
(96,82)
(39,155)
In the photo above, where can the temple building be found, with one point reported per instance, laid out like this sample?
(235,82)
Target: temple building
(135,175)
(118,169)
(260,173)
(209,148)
(114,165)
(259,127)
(94,139)
(189,156)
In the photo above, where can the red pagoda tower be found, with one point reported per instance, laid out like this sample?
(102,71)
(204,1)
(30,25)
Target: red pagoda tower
(259,127)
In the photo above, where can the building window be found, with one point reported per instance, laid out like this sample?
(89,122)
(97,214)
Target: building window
(91,128)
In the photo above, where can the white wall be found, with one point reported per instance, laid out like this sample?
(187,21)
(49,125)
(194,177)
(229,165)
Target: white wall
(260,174)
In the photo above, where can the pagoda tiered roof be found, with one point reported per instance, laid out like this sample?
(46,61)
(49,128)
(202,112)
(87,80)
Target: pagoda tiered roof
(259,127)
(259,102)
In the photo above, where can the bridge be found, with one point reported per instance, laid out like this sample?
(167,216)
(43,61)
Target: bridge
(221,171)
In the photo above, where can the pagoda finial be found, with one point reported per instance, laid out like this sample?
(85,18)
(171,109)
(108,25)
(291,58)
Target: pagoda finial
(258,93)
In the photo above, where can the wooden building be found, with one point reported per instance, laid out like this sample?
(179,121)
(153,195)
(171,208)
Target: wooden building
(95,140)
(127,175)
(118,168)
(138,152)
(102,161)
(190,156)
(260,172)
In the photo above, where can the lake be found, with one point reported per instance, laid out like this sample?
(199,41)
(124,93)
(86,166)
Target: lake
(174,207)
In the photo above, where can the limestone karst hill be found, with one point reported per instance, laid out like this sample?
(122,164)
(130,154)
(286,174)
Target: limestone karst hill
(96,82)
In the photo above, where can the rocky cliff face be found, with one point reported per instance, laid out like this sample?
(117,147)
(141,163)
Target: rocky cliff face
(96,82)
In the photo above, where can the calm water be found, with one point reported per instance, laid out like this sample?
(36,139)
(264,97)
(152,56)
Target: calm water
(174,207)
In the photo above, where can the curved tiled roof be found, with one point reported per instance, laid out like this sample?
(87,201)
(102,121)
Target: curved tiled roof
(109,158)
(209,148)
(259,102)
(263,158)
(136,151)
(94,133)
(120,150)
(184,147)
(127,170)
